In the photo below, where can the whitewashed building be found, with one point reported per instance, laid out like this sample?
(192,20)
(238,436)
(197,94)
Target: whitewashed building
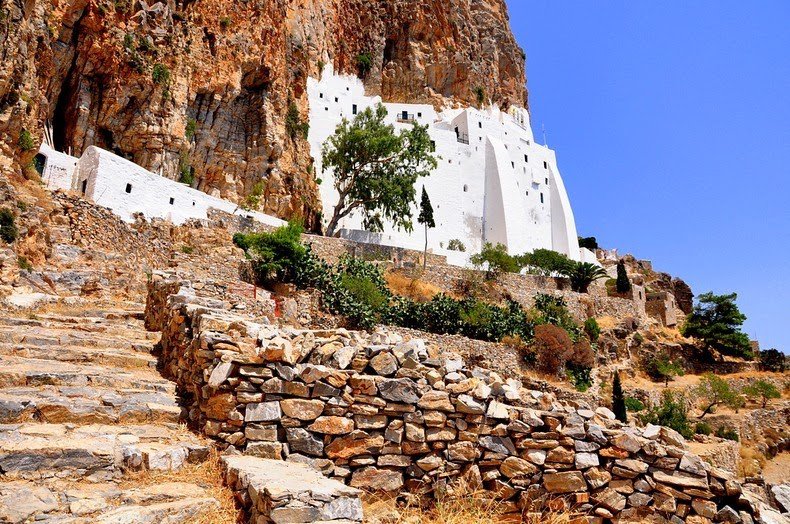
(126,189)
(493,183)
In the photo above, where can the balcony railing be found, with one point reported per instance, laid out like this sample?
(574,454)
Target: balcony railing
(405,118)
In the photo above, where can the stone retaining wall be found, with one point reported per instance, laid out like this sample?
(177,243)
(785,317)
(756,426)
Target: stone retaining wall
(383,413)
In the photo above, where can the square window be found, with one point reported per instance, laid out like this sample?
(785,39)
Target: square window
(419,115)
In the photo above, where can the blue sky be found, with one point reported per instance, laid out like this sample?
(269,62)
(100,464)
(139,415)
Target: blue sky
(671,122)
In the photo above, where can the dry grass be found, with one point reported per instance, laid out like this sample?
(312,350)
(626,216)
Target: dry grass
(411,287)
(207,475)
(466,506)
(606,322)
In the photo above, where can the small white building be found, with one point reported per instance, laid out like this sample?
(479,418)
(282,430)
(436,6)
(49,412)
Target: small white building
(126,189)
(493,183)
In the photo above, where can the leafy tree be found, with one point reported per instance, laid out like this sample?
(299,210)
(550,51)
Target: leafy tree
(714,391)
(716,321)
(588,242)
(8,229)
(623,284)
(662,367)
(426,218)
(456,245)
(546,262)
(618,399)
(364,64)
(375,169)
(672,413)
(497,258)
(633,404)
(773,360)
(763,390)
(582,274)
(480,96)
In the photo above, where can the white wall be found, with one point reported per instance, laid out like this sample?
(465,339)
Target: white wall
(126,188)
(59,168)
(500,187)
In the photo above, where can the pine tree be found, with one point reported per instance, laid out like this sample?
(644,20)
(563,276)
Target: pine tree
(623,284)
(426,218)
(618,399)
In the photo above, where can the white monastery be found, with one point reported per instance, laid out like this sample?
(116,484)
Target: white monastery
(493,182)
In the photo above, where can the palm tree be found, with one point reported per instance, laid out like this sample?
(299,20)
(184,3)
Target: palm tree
(582,274)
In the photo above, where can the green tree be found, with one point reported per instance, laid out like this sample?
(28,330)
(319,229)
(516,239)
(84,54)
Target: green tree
(763,390)
(618,399)
(592,329)
(623,284)
(672,413)
(582,274)
(497,258)
(425,218)
(662,367)
(276,255)
(714,391)
(590,243)
(8,229)
(773,360)
(364,64)
(375,169)
(546,262)
(716,321)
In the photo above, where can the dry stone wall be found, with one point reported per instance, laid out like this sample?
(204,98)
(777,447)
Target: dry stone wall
(380,412)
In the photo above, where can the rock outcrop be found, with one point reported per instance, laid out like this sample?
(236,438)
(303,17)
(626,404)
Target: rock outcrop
(197,90)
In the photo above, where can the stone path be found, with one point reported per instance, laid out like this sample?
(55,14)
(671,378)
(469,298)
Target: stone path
(82,411)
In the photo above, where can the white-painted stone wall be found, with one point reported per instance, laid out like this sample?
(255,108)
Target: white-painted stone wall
(500,187)
(59,168)
(126,188)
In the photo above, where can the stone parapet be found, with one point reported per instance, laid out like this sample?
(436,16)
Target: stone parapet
(383,413)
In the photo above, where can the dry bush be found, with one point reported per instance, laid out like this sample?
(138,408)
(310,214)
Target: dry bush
(751,463)
(208,475)
(553,347)
(411,287)
(583,354)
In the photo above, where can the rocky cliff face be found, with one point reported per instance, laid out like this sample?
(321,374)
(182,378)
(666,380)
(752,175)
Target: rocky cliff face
(201,90)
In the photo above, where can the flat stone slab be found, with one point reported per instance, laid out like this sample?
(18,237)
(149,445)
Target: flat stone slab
(290,492)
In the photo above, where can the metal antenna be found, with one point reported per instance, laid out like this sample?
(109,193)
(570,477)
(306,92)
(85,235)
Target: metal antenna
(544,133)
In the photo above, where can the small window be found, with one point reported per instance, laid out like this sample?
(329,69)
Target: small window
(128,188)
(466,188)
(419,115)
(193,202)
(326,109)
(541,198)
(320,95)
(526,158)
(172,201)
(354,109)
(545,165)
(336,99)
(513,165)
(527,193)
(480,125)
(433,145)
(84,186)
(546,180)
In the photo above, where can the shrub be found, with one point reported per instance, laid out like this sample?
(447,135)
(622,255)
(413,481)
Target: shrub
(545,262)
(773,360)
(583,354)
(634,404)
(582,274)
(187,250)
(253,200)
(294,125)
(623,285)
(663,368)
(456,245)
(185,170)
(224,22)
(702,428)
(727,432)
(364,64)
(274,255)
(553,347)
(26,142)
(190,128)
(497,258)
(161,74)
(552,310)
(588,242)
(592,329)
(24,263)
(579,376)
(672,412)
(8,230)
(480,95)
(763,391)
(713,391)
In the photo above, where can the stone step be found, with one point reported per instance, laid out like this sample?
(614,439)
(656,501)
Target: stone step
(20,371)
(77,503)
(101,452)
(56,336)
(86,405)
(278,491)
(108,356)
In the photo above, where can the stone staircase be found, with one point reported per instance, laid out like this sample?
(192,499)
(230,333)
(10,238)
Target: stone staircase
(87,423)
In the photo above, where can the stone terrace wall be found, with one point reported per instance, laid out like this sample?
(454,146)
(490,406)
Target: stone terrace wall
(383,414)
